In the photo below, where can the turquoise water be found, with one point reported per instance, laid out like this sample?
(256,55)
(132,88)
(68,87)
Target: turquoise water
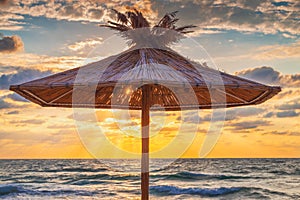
(119,179)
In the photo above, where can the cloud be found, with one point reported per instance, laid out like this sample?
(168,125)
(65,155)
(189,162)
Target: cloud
(263,74)
(11,44)
(284,108)
(289,36)
(249,124)
(219,116)
(90,11)
(290,80)
(289,113)
(294,133)
(4,104)
(10,21)
(16,97)
(288,93)
(10,101)
(80,11)
(28,60)
(277,133)
(263,16)
(244,16)
(269,114)
(28,137)
(60,126)
(190,117)
(285,133)
(84,47)
(289,105)
(278,51)
(27,121)
(235,113)
(22,75)
(3,2)
(268,75)
(15,112)
(95,13)
(73,11)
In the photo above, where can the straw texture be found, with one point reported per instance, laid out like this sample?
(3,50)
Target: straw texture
(169,75)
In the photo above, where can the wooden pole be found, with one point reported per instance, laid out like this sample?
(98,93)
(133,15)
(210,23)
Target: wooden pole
(145,141)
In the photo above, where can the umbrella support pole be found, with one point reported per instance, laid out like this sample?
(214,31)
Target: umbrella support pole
(145,119)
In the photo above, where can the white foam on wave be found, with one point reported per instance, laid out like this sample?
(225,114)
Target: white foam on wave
(172,190)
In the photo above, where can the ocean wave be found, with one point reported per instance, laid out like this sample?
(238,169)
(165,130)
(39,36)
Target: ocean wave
(286,172)
(9,189)
(85,179)
(172,190)
(201,176)
(223,179)
(76,170)
(273,192)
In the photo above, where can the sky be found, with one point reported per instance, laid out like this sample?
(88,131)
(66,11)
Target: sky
(255,39)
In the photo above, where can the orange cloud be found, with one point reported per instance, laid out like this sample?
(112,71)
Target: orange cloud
(278,52)
(84,47)
(11,44)
(43,62)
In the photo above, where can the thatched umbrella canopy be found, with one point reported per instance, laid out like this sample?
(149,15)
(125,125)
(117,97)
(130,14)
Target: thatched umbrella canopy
(56,90)
(154,74)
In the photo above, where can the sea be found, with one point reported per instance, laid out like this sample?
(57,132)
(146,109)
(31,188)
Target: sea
(179,179)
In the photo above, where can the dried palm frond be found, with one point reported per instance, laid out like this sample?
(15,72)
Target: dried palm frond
(116,26)
(168,20)
(136,19)
(162,34)
(120,17)
(183,28)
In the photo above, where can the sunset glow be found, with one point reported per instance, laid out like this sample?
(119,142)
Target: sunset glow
(257,41)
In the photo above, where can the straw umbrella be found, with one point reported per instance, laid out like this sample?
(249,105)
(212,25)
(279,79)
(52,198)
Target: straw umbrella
(156,74)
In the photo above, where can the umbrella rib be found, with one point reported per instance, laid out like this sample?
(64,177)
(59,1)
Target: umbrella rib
(60,96)
(257,98)
(36,97)
(202,97)
(229,94)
